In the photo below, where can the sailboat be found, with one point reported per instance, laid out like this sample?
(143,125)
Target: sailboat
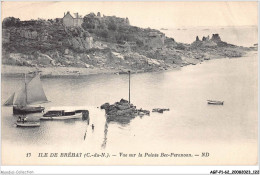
(31,93)
(10,100)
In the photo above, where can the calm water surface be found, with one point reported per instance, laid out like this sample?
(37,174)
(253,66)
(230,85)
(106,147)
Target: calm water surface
(190,125)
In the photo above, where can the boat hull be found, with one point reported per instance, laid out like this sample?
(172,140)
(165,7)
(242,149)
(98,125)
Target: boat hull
(27,109)
(66,117)
(215,103)
(27,124)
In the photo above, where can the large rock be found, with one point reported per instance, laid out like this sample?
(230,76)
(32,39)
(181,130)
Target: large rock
(197,38)
(88,42)
(28,34)
(16,56)
(154,40)
(45,59)
(82,43)
(122,111)
(104,106)
(208,43)
(215,38)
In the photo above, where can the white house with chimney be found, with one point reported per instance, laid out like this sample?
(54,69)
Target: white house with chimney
(69,20)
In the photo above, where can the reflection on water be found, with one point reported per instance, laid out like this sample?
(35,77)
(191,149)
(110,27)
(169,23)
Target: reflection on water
(123,119)
(85,117)
(105,136)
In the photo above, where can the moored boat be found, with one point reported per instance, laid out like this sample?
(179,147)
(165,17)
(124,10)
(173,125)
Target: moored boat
(164,29)
(28,121)
(215,102)
(27,124)
(31,93)
(61,115)
(27,109)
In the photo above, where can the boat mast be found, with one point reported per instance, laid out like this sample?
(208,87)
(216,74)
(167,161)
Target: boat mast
(129,87)
(25,88)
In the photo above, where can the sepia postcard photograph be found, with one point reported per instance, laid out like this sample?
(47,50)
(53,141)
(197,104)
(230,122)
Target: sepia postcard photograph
(129,83)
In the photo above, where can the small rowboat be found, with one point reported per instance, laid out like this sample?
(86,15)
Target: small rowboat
(27,124)
(214,102)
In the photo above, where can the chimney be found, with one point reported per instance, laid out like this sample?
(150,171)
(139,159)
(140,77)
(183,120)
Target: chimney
(64,13)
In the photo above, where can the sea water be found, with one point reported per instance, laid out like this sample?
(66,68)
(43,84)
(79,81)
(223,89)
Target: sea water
(228,133)
(245,36)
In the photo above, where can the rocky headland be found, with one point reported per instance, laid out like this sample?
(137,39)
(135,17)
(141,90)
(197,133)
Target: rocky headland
(105,44)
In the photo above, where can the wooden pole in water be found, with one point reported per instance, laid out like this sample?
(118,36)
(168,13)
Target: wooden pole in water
(25,86)
(129,87)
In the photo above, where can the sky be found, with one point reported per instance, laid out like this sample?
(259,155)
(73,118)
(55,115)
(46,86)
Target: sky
(144,14)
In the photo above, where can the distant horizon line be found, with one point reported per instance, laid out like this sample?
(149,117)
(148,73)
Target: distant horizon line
(183,27)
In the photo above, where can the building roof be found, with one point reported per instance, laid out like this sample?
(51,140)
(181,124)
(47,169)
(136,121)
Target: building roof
(75,16)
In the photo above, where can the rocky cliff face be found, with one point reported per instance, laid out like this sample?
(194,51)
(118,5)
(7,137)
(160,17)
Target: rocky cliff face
(79,39)
(27,34)
(81,43)
(125,47)
(154,40)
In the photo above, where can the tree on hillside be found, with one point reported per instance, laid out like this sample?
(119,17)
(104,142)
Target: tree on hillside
(89,21)
(11,21)
(103,26)
(112,25)
(103,33)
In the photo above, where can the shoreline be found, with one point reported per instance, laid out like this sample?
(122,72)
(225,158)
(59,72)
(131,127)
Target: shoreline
(73,72)
(52,72)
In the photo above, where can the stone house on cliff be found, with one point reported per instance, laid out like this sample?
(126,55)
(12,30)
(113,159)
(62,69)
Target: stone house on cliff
(68,20)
